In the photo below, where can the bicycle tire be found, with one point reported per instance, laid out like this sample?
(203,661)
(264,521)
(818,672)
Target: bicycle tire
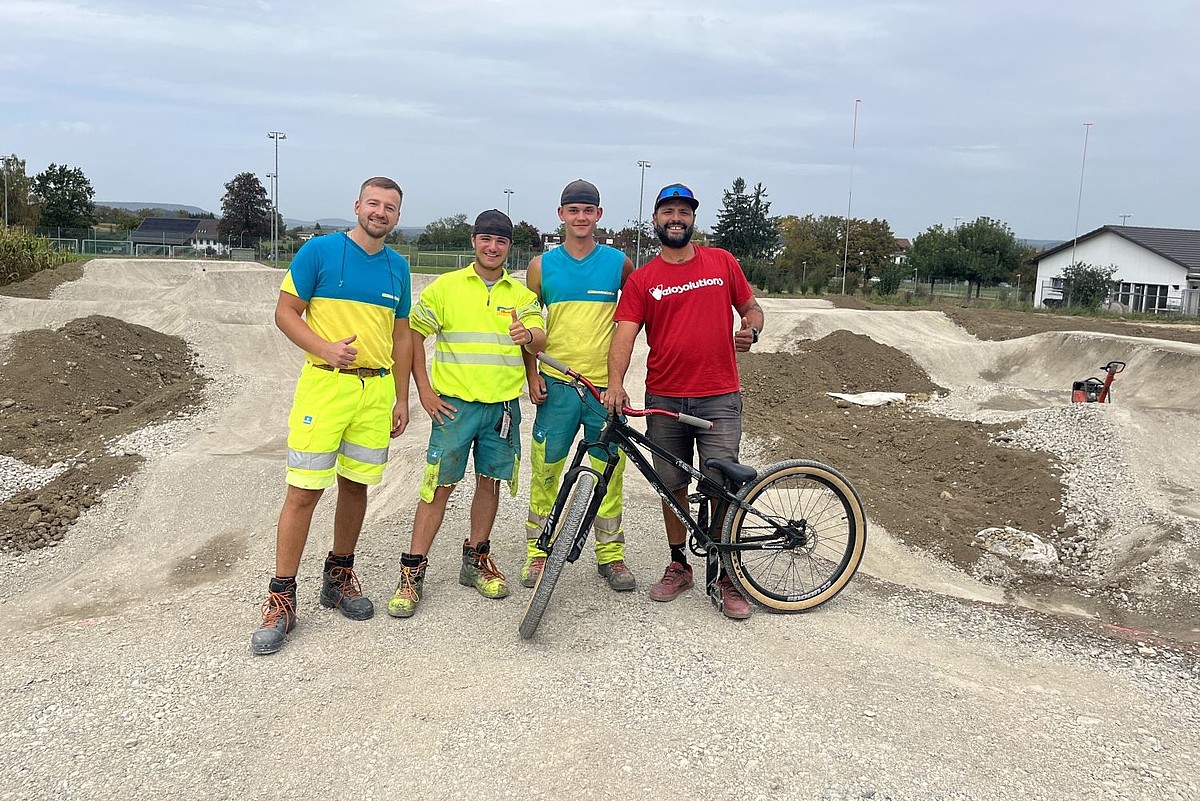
(574,518)
(802,578)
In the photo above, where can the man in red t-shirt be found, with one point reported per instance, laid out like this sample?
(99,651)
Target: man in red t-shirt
(684,298)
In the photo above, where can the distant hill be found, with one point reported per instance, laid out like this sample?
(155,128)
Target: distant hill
(170,208)
(1040,244)
(331,223)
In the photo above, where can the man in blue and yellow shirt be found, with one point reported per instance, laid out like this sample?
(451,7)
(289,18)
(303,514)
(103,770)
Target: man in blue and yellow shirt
(345,302)
(482,319)
(578,284)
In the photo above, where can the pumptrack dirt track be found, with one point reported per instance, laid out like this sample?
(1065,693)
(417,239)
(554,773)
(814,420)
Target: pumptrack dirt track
(1029,585)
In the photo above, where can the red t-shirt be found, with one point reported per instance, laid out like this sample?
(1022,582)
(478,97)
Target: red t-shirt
(687,311)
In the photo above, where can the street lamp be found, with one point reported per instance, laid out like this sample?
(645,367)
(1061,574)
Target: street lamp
(276,135)
(273,178)
(637,261)
(804,276)
(850,197)
(508,193)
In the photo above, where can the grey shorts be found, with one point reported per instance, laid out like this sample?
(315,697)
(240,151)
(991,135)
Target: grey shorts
(721,442)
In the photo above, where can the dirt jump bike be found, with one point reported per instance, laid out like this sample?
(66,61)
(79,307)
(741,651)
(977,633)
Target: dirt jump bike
(790,535)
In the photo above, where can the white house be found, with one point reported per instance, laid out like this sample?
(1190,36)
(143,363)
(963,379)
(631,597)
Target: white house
(1157,269)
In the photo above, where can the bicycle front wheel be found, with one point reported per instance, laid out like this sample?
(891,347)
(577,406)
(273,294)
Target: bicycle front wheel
(800,541)
(574,522)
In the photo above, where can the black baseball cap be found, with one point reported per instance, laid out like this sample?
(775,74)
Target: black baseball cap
(494,222)
(580,191)
(676,192)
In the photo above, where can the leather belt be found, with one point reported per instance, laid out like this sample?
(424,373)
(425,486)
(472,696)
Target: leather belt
(361,372)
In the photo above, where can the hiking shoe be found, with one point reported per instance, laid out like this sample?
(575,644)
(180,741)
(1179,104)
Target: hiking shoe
(340,590)
(278,618)
(479,571)
(732,603)
(408,591)
(677,579)
(531,570)
(619,577)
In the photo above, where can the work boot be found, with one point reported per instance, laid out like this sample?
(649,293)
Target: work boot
(278,617)
(676,580)
(732,603)
(479,571)
(531,570)
(340,590)
(408,590)
(619,577)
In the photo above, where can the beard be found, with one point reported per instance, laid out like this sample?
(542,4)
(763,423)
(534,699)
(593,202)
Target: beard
(672,239)
(376,229)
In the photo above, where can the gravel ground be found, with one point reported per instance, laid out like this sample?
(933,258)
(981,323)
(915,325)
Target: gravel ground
(125,670)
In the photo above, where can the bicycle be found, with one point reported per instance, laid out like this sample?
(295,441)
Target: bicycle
(790,536)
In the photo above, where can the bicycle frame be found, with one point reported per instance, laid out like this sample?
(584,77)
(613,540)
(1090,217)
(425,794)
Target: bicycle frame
(617,434)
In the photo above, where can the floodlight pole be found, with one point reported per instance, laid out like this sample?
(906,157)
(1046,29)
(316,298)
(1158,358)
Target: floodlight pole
(6,192)
(850,198)
(1087,129)
(508,193)
(276,135)
(637,260)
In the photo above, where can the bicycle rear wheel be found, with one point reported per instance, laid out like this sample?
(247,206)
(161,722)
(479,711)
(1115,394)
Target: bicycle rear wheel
(811,528)
(574,521)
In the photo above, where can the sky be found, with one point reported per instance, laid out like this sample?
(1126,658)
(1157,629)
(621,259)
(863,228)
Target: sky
(918,112)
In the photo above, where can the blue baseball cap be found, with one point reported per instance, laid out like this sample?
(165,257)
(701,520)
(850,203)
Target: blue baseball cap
(676,192)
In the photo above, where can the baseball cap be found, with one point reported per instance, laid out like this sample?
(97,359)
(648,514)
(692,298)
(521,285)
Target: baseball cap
(676,192)
(494,222)
(580,191)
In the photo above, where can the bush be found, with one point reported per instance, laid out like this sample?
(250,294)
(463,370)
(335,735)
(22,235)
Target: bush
(1086,285)
(22,255)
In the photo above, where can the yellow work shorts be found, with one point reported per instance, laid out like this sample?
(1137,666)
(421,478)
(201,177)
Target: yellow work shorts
(340,424)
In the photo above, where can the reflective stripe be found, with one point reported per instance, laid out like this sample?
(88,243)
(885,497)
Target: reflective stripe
(480,358)
(303,460)
(475,337)
(362,454)
(425,316)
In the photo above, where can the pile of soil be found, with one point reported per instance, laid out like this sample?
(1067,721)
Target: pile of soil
(932,482)
(66,394)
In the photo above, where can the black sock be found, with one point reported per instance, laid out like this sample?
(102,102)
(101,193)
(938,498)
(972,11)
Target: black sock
(339,561)
(678,555)
(411,559)
(282,584)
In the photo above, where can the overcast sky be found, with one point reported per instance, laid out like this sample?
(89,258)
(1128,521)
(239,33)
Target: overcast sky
(967,109)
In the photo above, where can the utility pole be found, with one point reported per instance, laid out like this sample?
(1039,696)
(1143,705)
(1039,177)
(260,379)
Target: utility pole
(1087,129)
(850,199)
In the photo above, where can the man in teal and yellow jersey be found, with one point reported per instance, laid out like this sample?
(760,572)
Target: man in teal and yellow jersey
(578,284)
(483,321)
(345,302)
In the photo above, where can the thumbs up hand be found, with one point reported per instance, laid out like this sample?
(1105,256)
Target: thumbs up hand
(743,338)
(519,333)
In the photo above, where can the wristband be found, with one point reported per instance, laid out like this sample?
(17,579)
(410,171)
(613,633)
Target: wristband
(530,332)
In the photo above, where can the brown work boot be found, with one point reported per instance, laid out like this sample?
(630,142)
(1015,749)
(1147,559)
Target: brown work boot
(278,618)
(676,580)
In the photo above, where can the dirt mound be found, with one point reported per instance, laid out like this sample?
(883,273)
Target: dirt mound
(66,394)
(932,482)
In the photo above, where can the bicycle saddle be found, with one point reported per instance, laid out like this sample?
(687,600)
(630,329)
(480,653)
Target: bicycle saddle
(741,473)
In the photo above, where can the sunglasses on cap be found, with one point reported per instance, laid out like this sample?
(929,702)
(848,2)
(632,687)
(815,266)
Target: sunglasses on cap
(676,192)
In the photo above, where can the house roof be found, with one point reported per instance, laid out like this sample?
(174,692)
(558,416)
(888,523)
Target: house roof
(206,229)
(164,231)
(1180,245)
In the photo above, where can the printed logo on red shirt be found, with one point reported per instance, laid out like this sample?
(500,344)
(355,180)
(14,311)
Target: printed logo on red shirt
(660,291)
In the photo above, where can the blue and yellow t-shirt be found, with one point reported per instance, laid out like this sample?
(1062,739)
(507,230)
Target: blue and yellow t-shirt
(580,296)
(349,291)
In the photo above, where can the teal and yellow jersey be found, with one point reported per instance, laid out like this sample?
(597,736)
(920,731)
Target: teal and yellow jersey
(349,291)
(580,296)
(474,357)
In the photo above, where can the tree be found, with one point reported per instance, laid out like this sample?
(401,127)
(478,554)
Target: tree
(245,209)
(447,233)
(872,248)
(744,224)
(527,237)
(19,202)
(65,196)
(812,251)
(1086,286)
(937,254)
(991,251)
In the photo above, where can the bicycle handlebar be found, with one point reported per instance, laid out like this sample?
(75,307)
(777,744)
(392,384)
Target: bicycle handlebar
(687,419)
